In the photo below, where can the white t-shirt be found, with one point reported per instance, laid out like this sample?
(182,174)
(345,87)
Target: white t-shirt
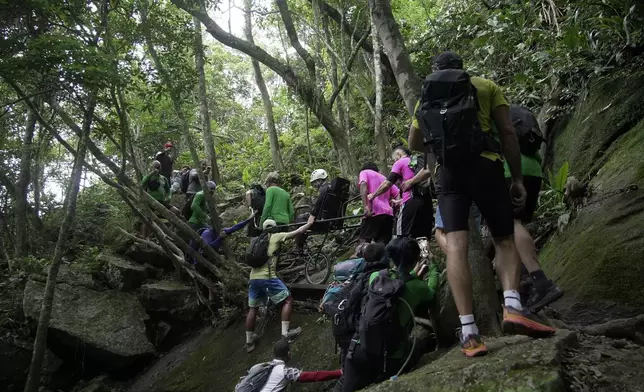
(280,376)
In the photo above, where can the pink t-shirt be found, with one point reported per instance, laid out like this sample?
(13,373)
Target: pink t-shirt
(380,205)
(401,167)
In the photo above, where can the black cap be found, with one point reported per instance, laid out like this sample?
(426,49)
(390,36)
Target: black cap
(448,60)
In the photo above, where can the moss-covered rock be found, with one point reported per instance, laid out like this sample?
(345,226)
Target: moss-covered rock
(514,364)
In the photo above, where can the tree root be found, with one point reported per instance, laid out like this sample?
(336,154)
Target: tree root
(630,328)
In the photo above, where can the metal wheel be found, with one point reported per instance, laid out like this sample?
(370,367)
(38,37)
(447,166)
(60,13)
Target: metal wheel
(317,269)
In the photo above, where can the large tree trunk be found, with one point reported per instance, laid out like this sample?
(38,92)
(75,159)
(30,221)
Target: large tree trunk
(394,46)
(40,344)
(266,98)
(380,135)
(209,143)
(22,189)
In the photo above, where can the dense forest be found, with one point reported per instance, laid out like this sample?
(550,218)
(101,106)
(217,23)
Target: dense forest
(92,90)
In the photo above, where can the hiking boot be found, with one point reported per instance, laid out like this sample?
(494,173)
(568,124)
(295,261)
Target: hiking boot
(250,346)
(543,296)
(473,346)
(524,322)
(292,334)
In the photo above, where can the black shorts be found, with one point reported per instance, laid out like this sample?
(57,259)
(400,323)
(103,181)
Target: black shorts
(377,228)
(483,183)
(415,219)
(532,187)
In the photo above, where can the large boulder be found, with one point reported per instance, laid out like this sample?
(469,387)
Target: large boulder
(144,254)
(104,327)
(169,300)
(515,363)
(72,275)
(122,274)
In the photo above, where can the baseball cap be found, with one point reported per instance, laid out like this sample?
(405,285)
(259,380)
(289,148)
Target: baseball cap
(168,145)
(269,223)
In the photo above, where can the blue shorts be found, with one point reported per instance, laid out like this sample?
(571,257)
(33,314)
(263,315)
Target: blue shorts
(439,219)
(260,291)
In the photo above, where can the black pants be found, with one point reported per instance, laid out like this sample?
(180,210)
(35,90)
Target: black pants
(377,228)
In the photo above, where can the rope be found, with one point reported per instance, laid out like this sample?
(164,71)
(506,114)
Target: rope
(413,345)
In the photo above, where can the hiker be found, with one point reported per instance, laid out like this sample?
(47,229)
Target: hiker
(278,205)
(264,285)
(275,376)
(214,239)
(320,181)
(199,217)
(456,120)
(378,223)
(255,198)
(157,186)
(383,347)
(190,185)
(415,215)
(166,158)
(544,291)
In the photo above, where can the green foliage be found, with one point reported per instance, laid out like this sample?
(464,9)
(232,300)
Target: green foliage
(551,201)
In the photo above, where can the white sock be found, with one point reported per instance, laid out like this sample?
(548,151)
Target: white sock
(468,326)
(285,325)
(512,298)
(249,336)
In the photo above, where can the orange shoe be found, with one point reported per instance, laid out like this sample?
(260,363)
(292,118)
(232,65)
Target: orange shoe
(473,346)
(517,322)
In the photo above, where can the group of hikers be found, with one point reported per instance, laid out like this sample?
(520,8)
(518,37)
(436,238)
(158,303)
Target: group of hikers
(478,155)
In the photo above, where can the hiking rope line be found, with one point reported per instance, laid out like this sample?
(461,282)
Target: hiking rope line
(413,344)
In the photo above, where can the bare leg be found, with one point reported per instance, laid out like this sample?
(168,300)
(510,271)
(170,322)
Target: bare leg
(525,247)
(250,319)
(441,239)
(508,267)
(287,309)
(459,273)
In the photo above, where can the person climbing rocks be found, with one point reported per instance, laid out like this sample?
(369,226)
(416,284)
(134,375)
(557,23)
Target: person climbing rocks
(366,365)
(214,239)
(157,186)
(264,286)
(415,215)
(199,217)
(320,181)
(378,223)
(166,158)
(278,205)
(470,168)
(194,187)
(280,375)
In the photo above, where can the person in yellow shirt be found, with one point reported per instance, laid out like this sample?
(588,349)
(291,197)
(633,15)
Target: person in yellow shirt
(474,173)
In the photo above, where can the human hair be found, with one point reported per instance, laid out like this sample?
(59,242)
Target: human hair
(156,163)
(370,166)
(273,178)
(281,349)
(403,149)
(405,253)
(373,252)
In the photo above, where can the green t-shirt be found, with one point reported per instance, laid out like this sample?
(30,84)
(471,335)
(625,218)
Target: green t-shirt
(418,295)
(490,96)
(267,271)
(530,166)
(199,210)
(278,206)
(162,192)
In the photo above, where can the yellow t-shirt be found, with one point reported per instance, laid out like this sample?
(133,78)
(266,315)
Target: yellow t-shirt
(267,271)
(490,96)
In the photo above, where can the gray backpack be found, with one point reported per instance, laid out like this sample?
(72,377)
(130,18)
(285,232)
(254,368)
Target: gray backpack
(256,378)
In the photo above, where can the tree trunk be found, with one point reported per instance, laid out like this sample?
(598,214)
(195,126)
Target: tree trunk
(22,188)
(266,98)
(209,143)
(486,299)
(308,134)
(380,135)
(40,344)
(393,44)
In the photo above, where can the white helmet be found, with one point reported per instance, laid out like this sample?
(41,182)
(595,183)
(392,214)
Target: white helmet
(319,174)
(268,223)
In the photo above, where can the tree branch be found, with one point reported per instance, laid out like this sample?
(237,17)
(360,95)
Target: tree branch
(351,31)
(282,5)
(345,77)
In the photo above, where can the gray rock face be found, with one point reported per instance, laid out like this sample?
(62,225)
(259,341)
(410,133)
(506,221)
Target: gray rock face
(104,327)
(515,363)
(121,274)
(171,300)
(141,254)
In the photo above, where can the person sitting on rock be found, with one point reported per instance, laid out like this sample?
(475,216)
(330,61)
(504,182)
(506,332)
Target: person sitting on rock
(265,286)
(281,375)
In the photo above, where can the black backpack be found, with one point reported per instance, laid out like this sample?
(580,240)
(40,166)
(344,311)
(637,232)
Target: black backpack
(153,184)
(185,181)
(422,190)
(256,378)
(527,128)
(257,254)
(257,198)
(447,116)
(380,330)
(345,307)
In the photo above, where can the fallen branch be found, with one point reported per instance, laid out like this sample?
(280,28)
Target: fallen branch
(630,328)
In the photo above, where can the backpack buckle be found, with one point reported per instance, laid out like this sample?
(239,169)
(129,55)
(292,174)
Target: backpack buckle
(443,111)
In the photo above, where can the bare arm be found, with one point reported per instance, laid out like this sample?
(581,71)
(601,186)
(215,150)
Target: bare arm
(384,187)
(364,192)
(509,142)
(416,140)
(300,230)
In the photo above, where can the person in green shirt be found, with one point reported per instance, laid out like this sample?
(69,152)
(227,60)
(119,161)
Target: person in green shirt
(200,217)
(157,186)
(278,205)
(264,286)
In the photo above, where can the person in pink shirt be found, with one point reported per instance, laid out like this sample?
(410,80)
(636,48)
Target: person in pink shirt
(416,216)
(377,225)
